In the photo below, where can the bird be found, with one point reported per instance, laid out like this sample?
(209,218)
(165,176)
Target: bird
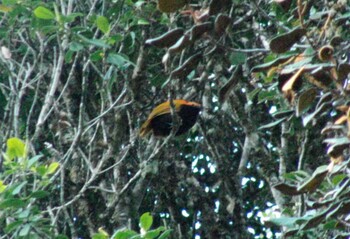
(160,119)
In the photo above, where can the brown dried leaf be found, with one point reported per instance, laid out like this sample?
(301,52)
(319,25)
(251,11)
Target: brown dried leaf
(169,6)
(215,6)
(315,180)
(181,44)
(167,39)
(230,84)
(284,42)
(341,120)
(198,30)
(285,4)
(221,23)
(325,53)
(183,70)
(287,189)
(320,78)
(305,100)
(289,87)
(343,71)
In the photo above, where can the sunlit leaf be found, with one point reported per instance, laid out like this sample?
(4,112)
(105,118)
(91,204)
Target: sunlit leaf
(103,24)
(146,221)
(2,186)
(15,148)
(44,13)
(52,168)
(5,9)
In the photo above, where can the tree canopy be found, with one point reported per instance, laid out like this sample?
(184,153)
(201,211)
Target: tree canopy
(267,157)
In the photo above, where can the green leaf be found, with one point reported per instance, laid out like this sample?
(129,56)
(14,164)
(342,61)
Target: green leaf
(96,42)
(18,188)
(13,226)
(142,22)
(338,178)
(15,148)
(237,58)
(118,60)
(154,233)
(2,186)
(33,160)
(165,234)
(39,194)
(25,230)
(44,13)
(12,202)
(75,46)
(61,237)
(124,234)
(103,24)
(52,168)
(272,124)
(99,236)
(285,221)
(146,221)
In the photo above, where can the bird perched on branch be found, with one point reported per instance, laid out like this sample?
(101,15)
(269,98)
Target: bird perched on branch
(160,121)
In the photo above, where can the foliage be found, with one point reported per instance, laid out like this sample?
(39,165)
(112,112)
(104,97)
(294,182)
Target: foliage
(146,221)
(268,156)
(25,184)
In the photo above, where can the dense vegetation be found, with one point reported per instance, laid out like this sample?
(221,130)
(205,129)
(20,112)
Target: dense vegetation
(267,158)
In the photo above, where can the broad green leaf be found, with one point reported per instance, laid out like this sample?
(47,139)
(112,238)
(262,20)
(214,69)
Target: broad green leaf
(39,194)
(99,236)
(75,46)
(18,188)
(2,186)
(96,42)
(12,203)
(25,213)
(44,13)
(154,233)
(13,226)
(284,221)
(118,60)
(15,148)
(165,234)
(52,168)
(146,221)
(237,58)
(25,230)
(33,160)
(124,234)
(142,22)
(103,24)
(338,178)
(41,170)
